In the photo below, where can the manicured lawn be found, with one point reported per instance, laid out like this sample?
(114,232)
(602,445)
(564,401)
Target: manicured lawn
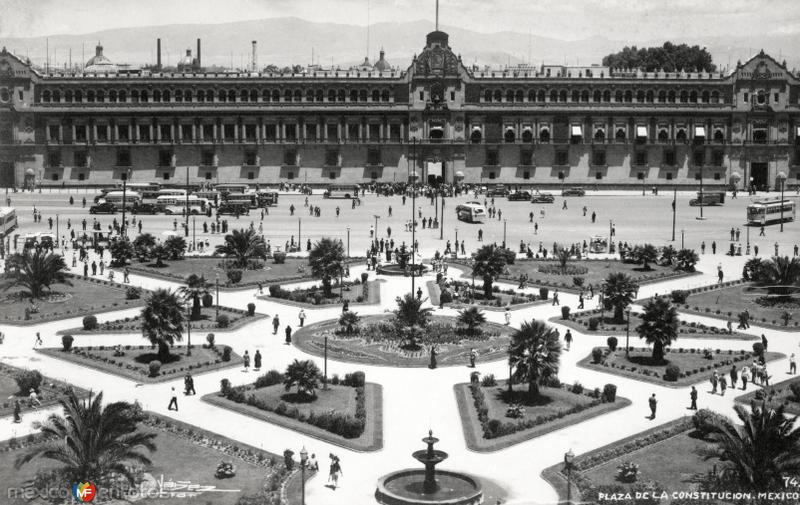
(50,391)
(728,302)
(314,296)
(85,296)
(694,366)
(607,325)
(593,272)
(775,395)
(311,339)
(336,399)
(184,453)
(133,364)
(501,300)
(559,407)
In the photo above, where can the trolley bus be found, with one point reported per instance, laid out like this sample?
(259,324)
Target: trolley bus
(131,198)
(8,220)
(770,211)
(267,198)
(229,188)
(249,199)
(471,212)
(177,204)
(334,191)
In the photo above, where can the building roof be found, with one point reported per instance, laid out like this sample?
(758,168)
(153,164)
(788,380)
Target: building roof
(99,63)
(382,64)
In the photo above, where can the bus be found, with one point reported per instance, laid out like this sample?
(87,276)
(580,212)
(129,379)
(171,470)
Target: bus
(267,198)
(141,186)
(8,220)
(333,191)
(177,204)
(131,198)
(770,211)
(232,188)
(249,199)
(471,212)
(213,197)
(172,192)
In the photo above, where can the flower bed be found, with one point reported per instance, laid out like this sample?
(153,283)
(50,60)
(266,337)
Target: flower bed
(354,292)
(786,393)
(49,393)
(502,297)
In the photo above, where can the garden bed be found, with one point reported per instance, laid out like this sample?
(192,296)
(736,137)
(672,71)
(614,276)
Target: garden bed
(487,428)
(86,295)
(347,414)
(354,292)
(502,297)
(50,391)
(453,350)
(775,395)
(693,364)
(134,362)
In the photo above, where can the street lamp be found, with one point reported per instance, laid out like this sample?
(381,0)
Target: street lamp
(303,462)
(325,361)
(348,242)
(627,331)
(299,224)
(504,233)
(782,178)
(217,283)
(456,250)
(376,227)
(568,458)
(125,178)
(682,236)
(189,329)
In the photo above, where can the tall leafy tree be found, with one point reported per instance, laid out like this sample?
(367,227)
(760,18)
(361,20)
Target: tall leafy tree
(410,312)
(645,254)
(472,318)
(325,259)
(619,291)
(488,263)
(92,442)
(36,271)
(686,259)
(242,246)
(121,251)
(176,247)
(142,245)
(659,326)
(349,322)
(303,374)
(159,252)
(562,256)
(196,287)
(535,353)
(668,254)
(781,271)
(162,321)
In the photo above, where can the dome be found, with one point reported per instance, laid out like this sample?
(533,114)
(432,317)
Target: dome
(99,63)
(187,62)
(382,64)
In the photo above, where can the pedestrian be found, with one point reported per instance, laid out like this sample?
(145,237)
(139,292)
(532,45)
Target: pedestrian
(288,332)
(653,404)
(126,275)
(564,206)
(473,356)
(714,382)
(302,317)
(776,248)
(568,339)
(714,247)
(17,411)
(335,471)
(745,377)
(703,247)
(693,397)
(734,376)
(764,341)
(555,297)
(419,293)
(761,233)
(723,385)
(507,316)
(38,340)
(792,365)
(188,384)
(257,361)
(246,359)
(580,300)
(173,402)
(276,323)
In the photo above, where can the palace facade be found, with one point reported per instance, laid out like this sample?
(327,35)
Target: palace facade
(518,126)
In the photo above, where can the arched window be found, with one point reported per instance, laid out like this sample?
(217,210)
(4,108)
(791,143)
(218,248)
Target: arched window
(715,97)
(143,96)
(527,135)
(178,95)
(540,95)
(487,95)
(341,95)
(362,95)
(684,96)
(222,96)
(662,96)
(597,96)
(78,96)
(201,96)
(309,95)
(135,95)
(376,95)
(671,97)
(276,95)
(476,136)
(509,95)
(232,95)
(544,135)
(640,96)
(112,96)
(90,96)
(56,96)
(649,96)
(123,96)
(628,96)
(253,95)
(576,95)
(553,95)
(509,136)
(619,136)
(606,96)
(519,96)
(385,95)
(719,136)
(266,95)
(531,96)
(498,95)
(187,95)
(693,97)
(46,95)
(298,95)
(681,135)
(353,95)
(562,96)
(584,96)
(600,135)
(331,95)
(319,95)
(663,136)
(287,95)
(618,96)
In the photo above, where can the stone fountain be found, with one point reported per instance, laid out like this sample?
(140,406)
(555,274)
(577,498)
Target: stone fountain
(417,487)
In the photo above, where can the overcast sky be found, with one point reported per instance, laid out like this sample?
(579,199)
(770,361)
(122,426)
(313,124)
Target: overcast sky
(628,20)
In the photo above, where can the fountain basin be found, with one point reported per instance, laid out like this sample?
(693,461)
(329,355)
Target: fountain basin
(394,269)
(405,487)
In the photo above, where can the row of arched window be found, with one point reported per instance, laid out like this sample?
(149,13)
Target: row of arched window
(620,135)
(222,96)
(600,96)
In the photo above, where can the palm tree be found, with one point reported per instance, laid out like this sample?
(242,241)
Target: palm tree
(686,260)
(659,326)
(754,270)
(91,441)
(645,254)
(176,247)
(668,254)
(36,271)
(535,353)
(781,271)
(755,456)
(619,291)
(142,244)
(196,287)
(121,251)
(160,253)
(489,262)
(472,318)
(242,245)
(325,260)
(349,322)
(303,374)
(562,255)
(409,311)
(162,321)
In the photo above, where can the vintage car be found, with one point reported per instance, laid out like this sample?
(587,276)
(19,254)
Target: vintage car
(145,208)
(542,198)
(103,208)
(498,190)
(519,196)
(708,198)
(576,191)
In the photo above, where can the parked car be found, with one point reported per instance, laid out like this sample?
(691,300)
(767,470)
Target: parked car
(523,196)
(233,209)
(498,190)
(542,198)
(145,208)
(573,192)
(103,208)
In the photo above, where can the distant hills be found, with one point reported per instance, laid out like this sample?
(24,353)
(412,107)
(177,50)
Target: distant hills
(286,41)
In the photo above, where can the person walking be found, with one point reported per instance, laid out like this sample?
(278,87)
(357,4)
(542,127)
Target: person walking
(473,355)
(335,471)
(580,300)
(17,411)
(693,398)
(764,341)
(723,385)
(568,339)
(302,317)
(38,341)
(745,377)
(792,365)
(257,361)
(714,382)
(188,385)
(288,332)
(555,297)
(173,402)
(507,316)
(276,323)
(734,376)
(653,404)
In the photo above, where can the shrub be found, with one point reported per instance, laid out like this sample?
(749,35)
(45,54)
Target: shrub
(597,355)
(210,339)
(251,309)
(627,471)
(234,275)
(226,353)
(27,380)
(208,300)
(474,377)
(224,387)
(672,372)
(335,380)
(225,470)
(90,323)
(577,280)
(355,379)
(154,367)
(758,349)
(269,379)
(66,342)
(364,277)
(679,295)
(544,293)
(577,388)
(795,388)
(612,343)
(610,393)
(564,312)
(223,321)
(133,293)
(288,462)
(705,421)
(515,411)
(594,322)
(488,380)
(445,296)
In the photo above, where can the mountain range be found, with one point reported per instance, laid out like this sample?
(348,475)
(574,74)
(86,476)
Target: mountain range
(287,41)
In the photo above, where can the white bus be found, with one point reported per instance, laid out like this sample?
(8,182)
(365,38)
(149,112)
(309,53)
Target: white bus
(770,211)
(177,204)
(141,186)
(131,198)
(172,192)
(471,212)
(232,187)
(248,199)
(8,220)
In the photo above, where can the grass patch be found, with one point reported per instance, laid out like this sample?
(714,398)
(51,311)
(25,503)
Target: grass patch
(502,298)
(728,301)
(776,395)
(50,391)
(353,292)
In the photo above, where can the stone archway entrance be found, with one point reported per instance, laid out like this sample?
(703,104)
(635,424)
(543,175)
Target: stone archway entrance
(759,172)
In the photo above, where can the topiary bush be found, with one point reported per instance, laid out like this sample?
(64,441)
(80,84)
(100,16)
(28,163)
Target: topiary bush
(27,380)
(577,388)
(226,353)
(133,293)
(597,355)
(66,342)
(279,257)
(672,373)
(251,309)
(564,312)
(355,379)
(609,393)
(234,275)
(758,349)
(207,300)
(679,296)
(544,293)
(594,322)
(223,321)
(154,367)
(612,343)
(210,339)
(705,421)
(90,323)
(224,387)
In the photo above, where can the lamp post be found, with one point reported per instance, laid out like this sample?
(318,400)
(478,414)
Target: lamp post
(299,229)
(124,194)
(568,458)
(504,233)
(441,221)
(217,298)
(189,329)
(413,217)
(782,178)
(627,331)
(376,226)
(674,205)
(702,203)
(194,233)
(348,242)
(303,461)
(456,249)
(325,366)
(186,229)
(682,237)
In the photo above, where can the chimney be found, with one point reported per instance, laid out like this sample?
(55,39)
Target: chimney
(158,54)
(254,63)
(199,61)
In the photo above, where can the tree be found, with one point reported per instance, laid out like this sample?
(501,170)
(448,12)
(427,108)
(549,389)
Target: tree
(325,260)
(781,272)
(303,374)
(196,287)
(562,255)
(754,270)
(159,252)
(686,259)
(667,58)
(142,245)
(645,254)
(472,318)
(242,246)
(121,252)
(619,291)
(755,456)
(36,271)
(409,311)
(162,321)
(175,246)
(349,321)
(93,442)
(668,254)
(489,262)
(535,353)
(659,326)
